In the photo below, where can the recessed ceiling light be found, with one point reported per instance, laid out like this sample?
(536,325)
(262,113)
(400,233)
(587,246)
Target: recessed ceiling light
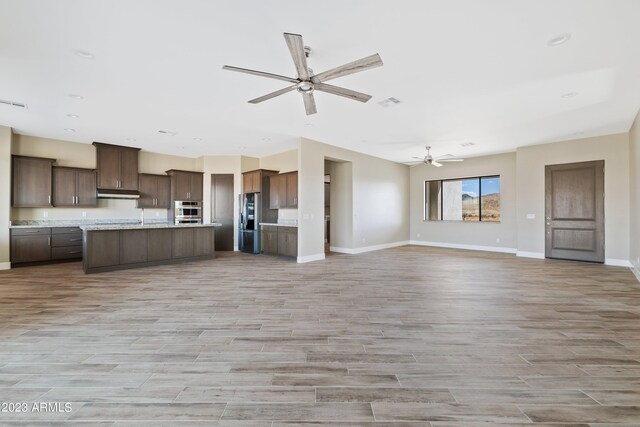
(266,139)
(84,54)
(570,95)
(558,40)
(70,129)
(308,125)
(467,144)
(74,96)
(197,139)
(131,139)
(73,116)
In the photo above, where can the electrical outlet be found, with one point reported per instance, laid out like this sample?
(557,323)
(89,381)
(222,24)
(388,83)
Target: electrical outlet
(418,235)
(84,214)
(45,214)
(531,216)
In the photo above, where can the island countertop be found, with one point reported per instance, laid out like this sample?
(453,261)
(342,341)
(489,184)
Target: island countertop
(106,227)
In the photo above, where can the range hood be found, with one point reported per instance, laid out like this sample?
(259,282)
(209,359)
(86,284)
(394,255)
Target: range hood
(118,194)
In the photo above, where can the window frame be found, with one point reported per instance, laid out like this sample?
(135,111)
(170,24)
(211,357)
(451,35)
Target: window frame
(441,199)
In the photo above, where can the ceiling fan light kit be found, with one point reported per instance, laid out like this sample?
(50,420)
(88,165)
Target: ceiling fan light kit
(307,82)
(429,160)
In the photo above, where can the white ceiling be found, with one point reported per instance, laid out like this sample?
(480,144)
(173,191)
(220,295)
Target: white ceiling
(465,70)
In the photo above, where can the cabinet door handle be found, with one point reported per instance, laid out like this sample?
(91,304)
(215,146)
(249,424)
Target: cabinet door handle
(31,231)
(48,241)
(49,198)
(73,252)
(75,240)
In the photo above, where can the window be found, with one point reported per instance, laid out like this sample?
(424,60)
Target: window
(463,199)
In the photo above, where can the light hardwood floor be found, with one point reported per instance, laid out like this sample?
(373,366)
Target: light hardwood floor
(406,336)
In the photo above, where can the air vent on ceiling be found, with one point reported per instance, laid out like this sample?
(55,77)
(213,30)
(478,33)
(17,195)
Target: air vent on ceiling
(389,102)
(467,144)
(167,132)
(13,103)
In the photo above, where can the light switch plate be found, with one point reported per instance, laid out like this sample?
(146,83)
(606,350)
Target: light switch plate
(531,216)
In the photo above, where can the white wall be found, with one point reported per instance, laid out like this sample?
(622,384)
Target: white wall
(380,199)
(460,233)
(634,199)
(5,195)
(530,166)
(287,161)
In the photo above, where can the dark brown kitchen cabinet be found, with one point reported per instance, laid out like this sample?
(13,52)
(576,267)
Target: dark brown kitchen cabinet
(66,243)
(30,245)
(203,242)
(288,241)
(269,239)
(31,186)
(159,245)
(277,191)
(74,187)
(101,249)
(155,191)
(292,189)
(251,182)
(117,167)
(183,245)
(186,185)
(278,240)
(283,191)
(133,246)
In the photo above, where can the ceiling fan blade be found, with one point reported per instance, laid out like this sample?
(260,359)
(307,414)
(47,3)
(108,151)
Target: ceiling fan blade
(443,156)
(436,164)
(340,91)
(419,158)
(309,103)
(260,73)
(272,94)
(451,160)
(350,68)
(296,47)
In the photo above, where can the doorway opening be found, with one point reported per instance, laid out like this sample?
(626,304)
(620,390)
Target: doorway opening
(338,205)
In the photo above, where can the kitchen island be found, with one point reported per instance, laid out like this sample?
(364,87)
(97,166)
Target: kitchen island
(123,246)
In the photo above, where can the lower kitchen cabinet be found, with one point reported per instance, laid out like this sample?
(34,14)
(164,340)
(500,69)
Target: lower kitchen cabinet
(159,245)
(101,249)
(30,245)
(107,250)
(269,239)
(277,240)
(42,244)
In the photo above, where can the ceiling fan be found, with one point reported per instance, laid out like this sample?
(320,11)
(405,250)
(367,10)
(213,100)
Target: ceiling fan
(437,161)
(307,82)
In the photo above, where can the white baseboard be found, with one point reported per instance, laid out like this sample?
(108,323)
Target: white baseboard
(310,258)
(5,265)
(353,251)
(536,255)
(618,262)
(636,271)
(463,246)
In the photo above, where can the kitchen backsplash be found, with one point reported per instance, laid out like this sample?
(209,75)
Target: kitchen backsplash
(107,209)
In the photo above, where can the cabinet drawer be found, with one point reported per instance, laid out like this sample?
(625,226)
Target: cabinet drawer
(65,230)
(288,230)
(66,252)
(31,231)
(69,239)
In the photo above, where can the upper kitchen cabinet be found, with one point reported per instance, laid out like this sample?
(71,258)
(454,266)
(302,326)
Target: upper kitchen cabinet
(283,191)
(117,167)
(292,189)
(155,191)
(74,187)
(186,185)
(251,182)
(31,187)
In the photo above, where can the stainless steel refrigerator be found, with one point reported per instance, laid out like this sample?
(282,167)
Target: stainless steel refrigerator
(249,223)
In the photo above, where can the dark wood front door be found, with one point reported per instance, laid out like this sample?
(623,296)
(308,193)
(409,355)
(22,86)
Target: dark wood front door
(574,211)
(222,210)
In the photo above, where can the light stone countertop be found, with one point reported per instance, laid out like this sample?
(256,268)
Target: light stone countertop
(102,227)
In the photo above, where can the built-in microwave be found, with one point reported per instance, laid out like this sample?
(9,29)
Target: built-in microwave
(187,212)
